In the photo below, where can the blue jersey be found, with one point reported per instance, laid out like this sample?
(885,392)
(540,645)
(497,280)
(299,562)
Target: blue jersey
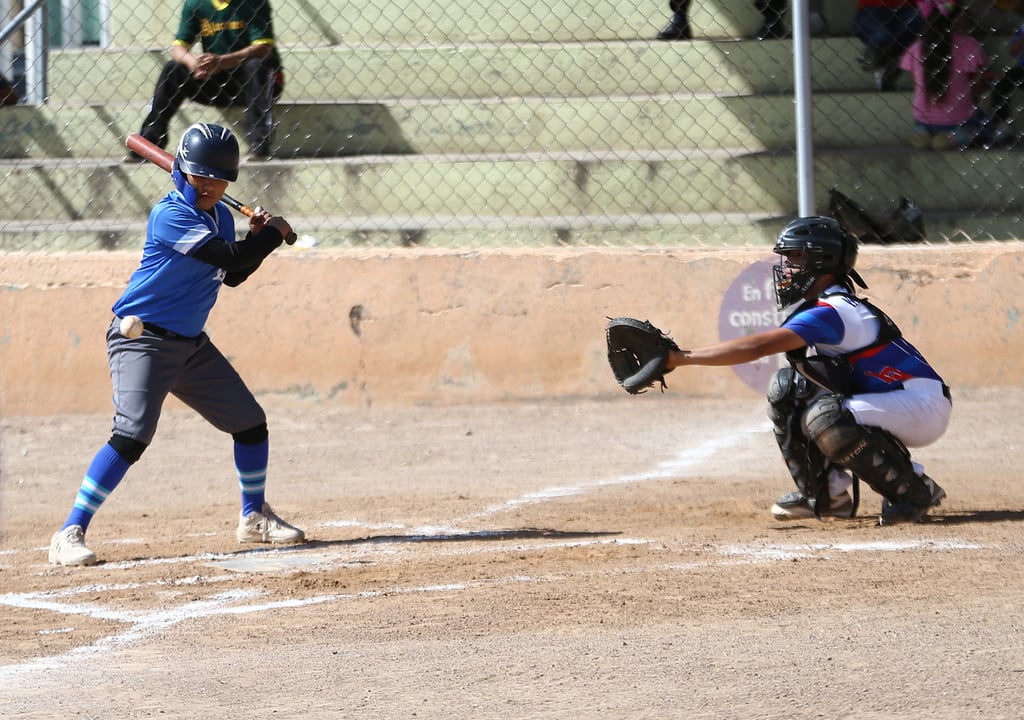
(170,288)
(841,325)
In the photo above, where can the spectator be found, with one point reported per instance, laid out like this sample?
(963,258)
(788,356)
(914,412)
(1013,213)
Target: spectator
(948,67)
(772,28)
(8,95)
(239,66)
(887,28)
(1002,92)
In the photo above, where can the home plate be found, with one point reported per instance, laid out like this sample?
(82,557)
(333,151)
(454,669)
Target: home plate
(266,562)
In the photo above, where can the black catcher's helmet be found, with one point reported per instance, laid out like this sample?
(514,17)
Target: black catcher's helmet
(827,249)
(208,151)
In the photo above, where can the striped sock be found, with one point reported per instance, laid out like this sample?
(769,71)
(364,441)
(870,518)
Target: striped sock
(251,465)
(104,474)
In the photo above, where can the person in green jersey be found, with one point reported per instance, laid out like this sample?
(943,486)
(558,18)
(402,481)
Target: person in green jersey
(238,66)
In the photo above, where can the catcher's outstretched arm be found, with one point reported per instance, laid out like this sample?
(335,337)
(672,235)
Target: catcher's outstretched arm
(739,350)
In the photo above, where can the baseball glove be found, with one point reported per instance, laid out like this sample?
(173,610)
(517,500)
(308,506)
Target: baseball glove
(638,353)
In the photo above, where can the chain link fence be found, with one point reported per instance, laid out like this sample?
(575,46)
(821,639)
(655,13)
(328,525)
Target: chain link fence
(461,123)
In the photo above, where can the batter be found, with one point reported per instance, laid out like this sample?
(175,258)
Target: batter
(189,254)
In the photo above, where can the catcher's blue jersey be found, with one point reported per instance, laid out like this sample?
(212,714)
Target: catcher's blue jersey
(840,324)
(170,288)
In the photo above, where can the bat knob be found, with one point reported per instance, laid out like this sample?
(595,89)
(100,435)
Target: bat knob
(290,238)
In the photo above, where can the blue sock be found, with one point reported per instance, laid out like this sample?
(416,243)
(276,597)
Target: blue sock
(251,465)
(104,474)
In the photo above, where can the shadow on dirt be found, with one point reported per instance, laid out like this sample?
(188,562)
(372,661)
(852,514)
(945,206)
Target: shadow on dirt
(977,516)
(475,535)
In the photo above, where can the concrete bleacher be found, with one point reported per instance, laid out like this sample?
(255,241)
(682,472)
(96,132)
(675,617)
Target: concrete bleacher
(383,25)
(547,126)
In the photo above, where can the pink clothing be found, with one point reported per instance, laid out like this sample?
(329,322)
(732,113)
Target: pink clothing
(969,59)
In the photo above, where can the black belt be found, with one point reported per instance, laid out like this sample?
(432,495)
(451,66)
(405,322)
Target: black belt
(164,332)
(946,393)
(161,331)
(157,330)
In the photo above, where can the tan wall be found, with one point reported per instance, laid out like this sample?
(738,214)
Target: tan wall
(445,327)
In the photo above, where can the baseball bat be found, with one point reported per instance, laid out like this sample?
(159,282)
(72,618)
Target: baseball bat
(165,161)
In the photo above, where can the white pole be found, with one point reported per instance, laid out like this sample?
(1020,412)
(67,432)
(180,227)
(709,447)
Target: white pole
(36,56)
(804,122)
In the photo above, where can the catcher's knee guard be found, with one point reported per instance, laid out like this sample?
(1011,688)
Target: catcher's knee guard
(876,456)
(788,395)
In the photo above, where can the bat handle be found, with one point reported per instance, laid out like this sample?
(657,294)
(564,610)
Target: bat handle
(289,239)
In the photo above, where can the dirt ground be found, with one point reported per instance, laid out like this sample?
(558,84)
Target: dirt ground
(608,558)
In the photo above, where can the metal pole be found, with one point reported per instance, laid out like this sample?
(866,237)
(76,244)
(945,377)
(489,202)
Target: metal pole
(19,19)
(36,54)
(804,122)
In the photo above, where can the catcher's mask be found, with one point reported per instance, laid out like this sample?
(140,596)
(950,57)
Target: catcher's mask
(811,247)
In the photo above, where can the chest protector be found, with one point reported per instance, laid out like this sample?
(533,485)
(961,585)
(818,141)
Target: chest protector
(835,373)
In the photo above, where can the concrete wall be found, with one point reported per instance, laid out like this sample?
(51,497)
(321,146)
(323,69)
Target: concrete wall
(399,327)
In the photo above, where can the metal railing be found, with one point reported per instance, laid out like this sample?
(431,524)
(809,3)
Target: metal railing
(33,18)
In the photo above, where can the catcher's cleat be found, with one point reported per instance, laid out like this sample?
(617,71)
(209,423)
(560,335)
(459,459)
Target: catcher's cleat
(267,527)
(896,513)
(67,547)
(794,506)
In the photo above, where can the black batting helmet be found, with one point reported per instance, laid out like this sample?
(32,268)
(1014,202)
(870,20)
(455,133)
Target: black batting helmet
(208,151)
(827,250)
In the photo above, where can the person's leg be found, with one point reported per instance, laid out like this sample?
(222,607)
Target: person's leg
(918,415)
(107,469)
(678,27)
(871,30)
(259,103)
(906,26)
(877,455)
(1002,93)
(174,85)
(258,522)
(897,31)
(252,455)
(773,27)
(817,24)
(214,389)
(141,376)
(789,395)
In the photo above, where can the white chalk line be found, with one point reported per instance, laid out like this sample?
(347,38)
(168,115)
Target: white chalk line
(684,460)
(239,601)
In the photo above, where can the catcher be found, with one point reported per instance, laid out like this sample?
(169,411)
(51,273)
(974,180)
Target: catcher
(857,394)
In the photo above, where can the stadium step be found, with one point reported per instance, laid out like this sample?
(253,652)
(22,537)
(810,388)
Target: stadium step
(547,191)
(489,70)
(745,123)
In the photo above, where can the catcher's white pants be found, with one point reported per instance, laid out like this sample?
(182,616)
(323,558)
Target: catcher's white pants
(918,415)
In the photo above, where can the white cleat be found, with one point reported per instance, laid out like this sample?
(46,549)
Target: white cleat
(67,547)
(794,506)
(267,527)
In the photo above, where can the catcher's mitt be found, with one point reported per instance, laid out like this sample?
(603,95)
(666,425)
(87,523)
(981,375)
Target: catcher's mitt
(638,353)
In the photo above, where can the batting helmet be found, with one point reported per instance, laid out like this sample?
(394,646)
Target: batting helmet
(826,249)
(208,151)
